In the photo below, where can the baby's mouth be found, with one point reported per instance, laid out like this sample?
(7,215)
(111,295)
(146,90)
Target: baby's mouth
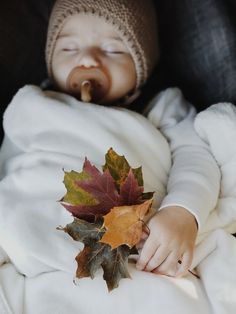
(88,84)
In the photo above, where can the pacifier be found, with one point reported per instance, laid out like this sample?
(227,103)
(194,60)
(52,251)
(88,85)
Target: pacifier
(88,84)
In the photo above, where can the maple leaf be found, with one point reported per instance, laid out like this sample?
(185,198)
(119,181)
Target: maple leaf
(108,230)
(90,259)
(115,266)
(119,168)
(124,224)
(85,232)
(75,195)
(95,254)
(90,193)
(130,191)
(113,262)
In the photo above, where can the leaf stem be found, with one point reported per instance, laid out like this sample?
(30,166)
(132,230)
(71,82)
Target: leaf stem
(146,228)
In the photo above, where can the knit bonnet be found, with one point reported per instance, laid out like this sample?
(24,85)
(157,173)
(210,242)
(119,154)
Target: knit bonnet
(133,20)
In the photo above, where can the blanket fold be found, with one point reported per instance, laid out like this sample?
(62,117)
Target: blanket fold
(37,261)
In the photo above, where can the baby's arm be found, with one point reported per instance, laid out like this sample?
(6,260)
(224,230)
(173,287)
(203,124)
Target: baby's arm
(192,189)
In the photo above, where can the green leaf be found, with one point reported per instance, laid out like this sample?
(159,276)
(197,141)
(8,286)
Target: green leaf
(138,175)
(113,262)
(90,196)
(115,266)
(75,194)
(95,254)
(91,193)
(147,196)
(85,232)
(91,259)
(119,168)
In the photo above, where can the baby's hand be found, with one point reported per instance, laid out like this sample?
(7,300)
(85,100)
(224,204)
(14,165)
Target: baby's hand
(173,232)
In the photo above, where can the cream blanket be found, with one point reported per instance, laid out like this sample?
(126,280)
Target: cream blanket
(46,132)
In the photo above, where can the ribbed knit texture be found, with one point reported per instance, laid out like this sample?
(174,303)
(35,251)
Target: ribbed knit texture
(133,20)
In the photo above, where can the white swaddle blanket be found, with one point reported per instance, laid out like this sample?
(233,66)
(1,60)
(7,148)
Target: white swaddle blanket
(46,132)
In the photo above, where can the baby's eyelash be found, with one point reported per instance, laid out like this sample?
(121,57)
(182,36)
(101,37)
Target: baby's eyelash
(115,52)
(67,49)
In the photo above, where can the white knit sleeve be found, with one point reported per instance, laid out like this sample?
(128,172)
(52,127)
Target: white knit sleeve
(194,179)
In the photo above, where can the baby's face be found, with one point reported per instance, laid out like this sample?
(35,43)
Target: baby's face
(88,46)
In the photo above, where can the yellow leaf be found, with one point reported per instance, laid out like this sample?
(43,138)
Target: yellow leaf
(124,224)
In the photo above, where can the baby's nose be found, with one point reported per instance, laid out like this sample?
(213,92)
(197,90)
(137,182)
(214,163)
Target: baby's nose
(88,59)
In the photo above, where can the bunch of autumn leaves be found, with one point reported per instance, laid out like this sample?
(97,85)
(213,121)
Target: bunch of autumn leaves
(109,209)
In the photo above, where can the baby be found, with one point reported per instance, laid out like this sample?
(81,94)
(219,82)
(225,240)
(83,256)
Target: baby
(103,52)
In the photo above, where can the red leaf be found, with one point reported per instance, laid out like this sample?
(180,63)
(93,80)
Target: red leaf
(92,193)
(130,191)
(85,212)
(103,189)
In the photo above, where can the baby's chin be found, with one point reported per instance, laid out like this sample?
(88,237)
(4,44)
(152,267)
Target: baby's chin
(112,98)
(119,99)
(108,100)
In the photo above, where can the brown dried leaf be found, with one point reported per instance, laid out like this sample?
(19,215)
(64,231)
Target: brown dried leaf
(124,224)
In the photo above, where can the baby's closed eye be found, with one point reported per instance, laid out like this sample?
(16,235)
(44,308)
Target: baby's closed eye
(116,47)
(70,49)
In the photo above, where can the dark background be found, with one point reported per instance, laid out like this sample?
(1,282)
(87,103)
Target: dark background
(197,39)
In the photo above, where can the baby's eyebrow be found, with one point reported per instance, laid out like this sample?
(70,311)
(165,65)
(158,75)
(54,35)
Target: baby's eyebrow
(65,35)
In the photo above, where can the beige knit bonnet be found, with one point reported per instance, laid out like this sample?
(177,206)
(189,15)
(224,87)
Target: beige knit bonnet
(134,21)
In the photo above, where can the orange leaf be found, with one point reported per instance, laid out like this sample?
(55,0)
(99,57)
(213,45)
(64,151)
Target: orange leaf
(124,224)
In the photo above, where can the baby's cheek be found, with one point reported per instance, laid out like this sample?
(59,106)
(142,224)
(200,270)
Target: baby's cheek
(59,75)
(125,78)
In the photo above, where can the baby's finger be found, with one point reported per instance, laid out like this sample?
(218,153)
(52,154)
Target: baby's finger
(146,230)
(140,245)
(157,259)
(144,235)
(169,266)
(147,252)
(185,263)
